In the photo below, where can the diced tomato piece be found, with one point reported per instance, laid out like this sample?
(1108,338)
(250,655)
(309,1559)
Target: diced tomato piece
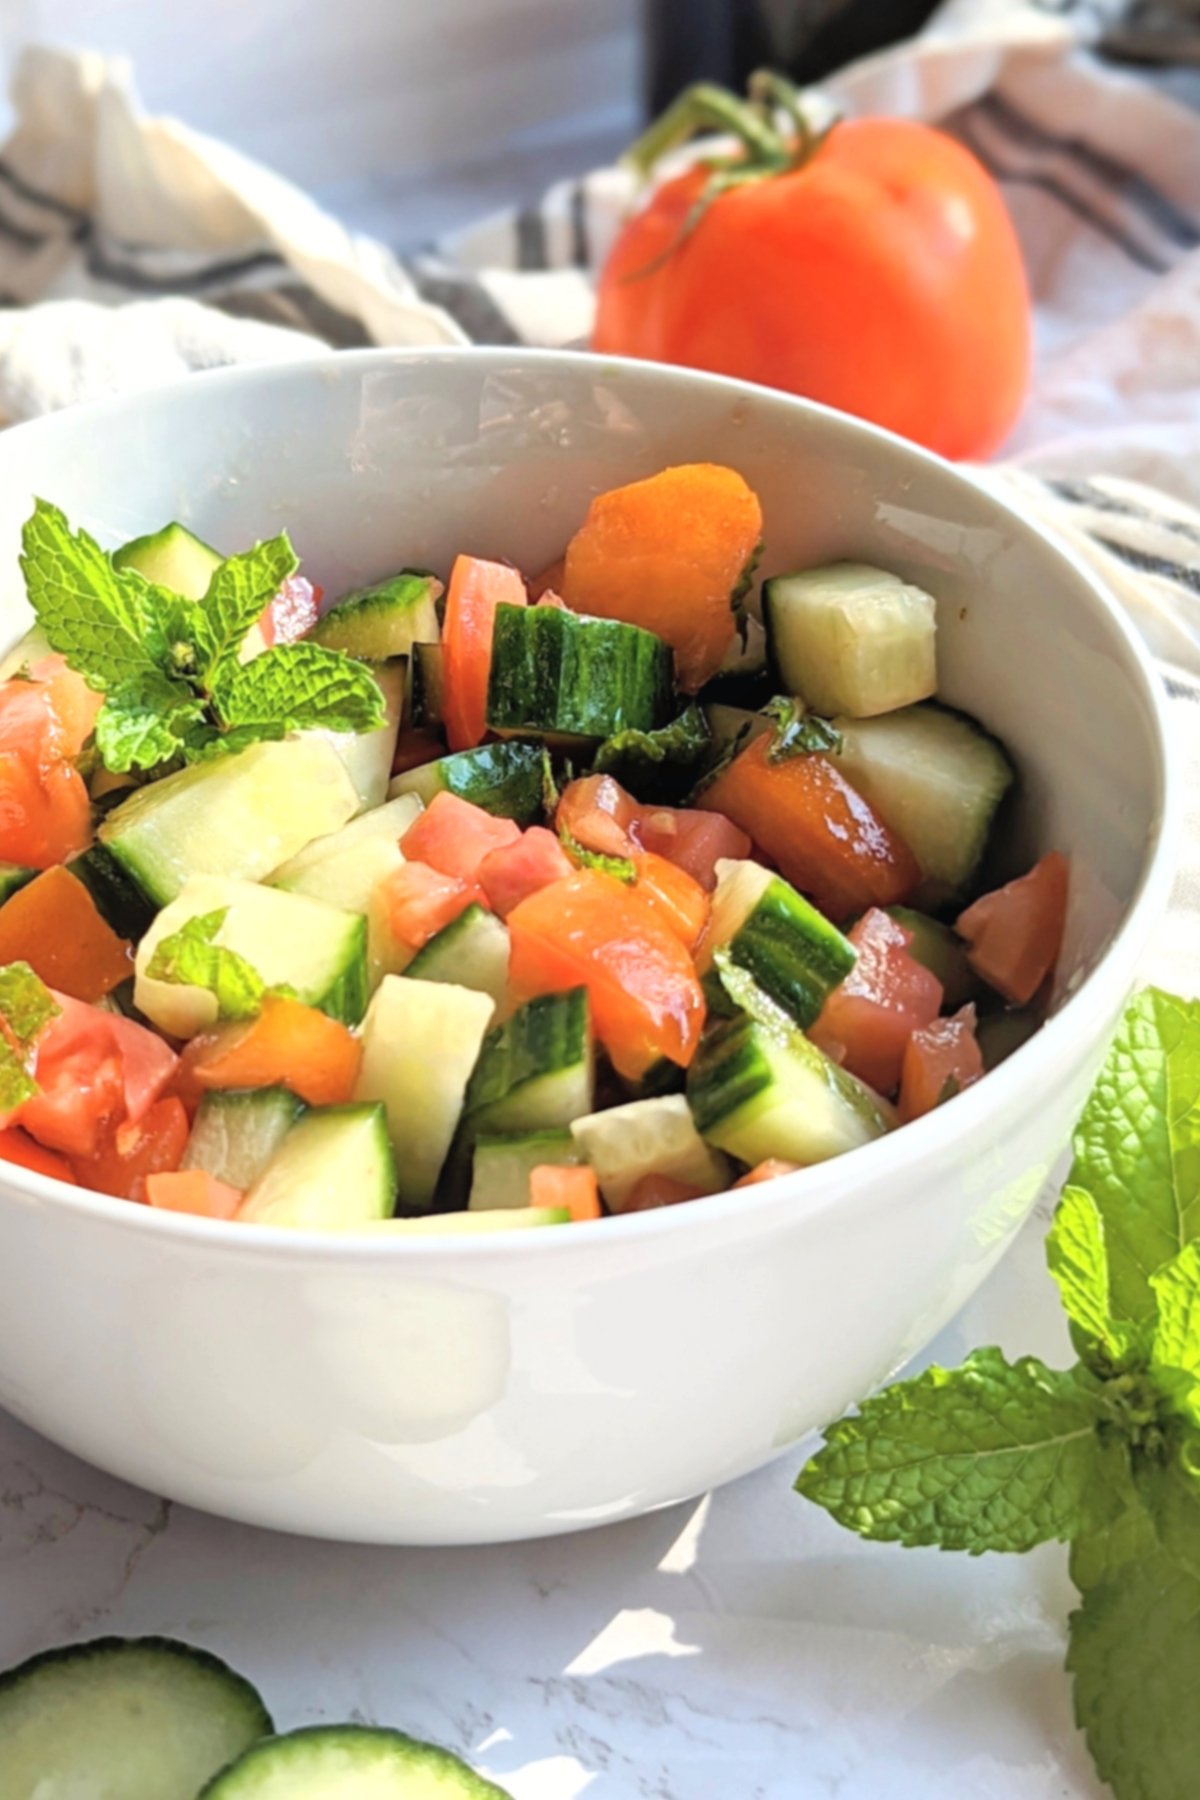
(653,1191)
(127,1155)
(590,930)
(551,1184)
(694,841)
(1014,934)
(193,1191)
(286,1045)
(598,813)
(17,1147)
(453,836)
(510,874)
(867,1020)
(680,901)
(147,1064)
(476,589)
(548,582)
(53,925)
(73,702)
(823,835)
(293,612)
(940,1059)
(45,812)
(94,1070)
(770,1170)
(416,745)
(418,901)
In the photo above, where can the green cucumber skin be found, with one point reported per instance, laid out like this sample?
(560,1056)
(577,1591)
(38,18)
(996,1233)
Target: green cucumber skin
(427,684)
(937,949)
(209,1146)
(728,1072)
(542,1038)
(119,899)
(379,622)
(12,879)
(503,779)
(559,674)
(792,951)
(420,1771)
(346,1001)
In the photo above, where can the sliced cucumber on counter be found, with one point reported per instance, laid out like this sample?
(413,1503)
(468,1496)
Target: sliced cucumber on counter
(367,755)
(240,815)
(172,557)
(648,1137)
(760,1091)
(471,952)
(119,899)
(426,684)
(557,674)
(421,1040)
(936,777)
(236,1134)
(318,951)
(351,1762)
(505,779)
(501,1164)
(376,623)
(536,1071)
(792,951)
(853,639)
(13,878)
(345,868)
(940,950)
(334,1168)
(138,1718)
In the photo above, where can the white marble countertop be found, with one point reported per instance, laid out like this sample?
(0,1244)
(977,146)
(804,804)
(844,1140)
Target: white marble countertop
(741,1648)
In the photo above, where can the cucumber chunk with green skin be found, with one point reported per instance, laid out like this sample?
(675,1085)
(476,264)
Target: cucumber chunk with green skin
(504,779)
(377,623)
(501,1164)
(852,639)
(792,951)
(760,1091)
(13,878)
(1000,1033)
(471,952)
(240,816)
(940,950)
(349,1762)
(236,1134)
(459,1224)
(421,1040)
(648,1137)
(560,675)
(334,1168)
(936,777)
(345,868)
(536,1071)
(426,684)
(290,940)
(172,557)
(367,756)
(119,899)
(123,1719)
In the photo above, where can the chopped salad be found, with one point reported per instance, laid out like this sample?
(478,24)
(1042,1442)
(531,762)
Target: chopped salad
(510,902)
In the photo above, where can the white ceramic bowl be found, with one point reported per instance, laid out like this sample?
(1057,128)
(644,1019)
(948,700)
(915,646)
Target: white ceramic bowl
(461,1391)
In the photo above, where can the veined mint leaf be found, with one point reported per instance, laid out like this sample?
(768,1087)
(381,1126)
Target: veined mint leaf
(1078,1260)
(26,1007)
(1177,1335)
(799,732)
(657,765)
(193,957)
(1137,1147)
(299,686)
(144,721)
(238,594)
(991,1456)
(98,617)
(619,867)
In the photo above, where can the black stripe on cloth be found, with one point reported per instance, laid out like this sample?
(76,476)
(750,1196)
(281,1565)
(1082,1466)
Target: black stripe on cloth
(1178,689)
(580,256)
(466,300)
(530,247)
(26,239)
(1182,574)
(73,214)
(297,308)
(1086,493)
(120,271)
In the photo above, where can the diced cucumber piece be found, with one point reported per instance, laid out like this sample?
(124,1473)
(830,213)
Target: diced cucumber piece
(747,655)
(536,1070)
(119,899)
(240,815)
(28,649)
(421,1040)
(345,868)
(558,674)
(236,1134)
(760,1091)
(943,953)
(501,1164)
(142,1718)
(367,755)
(335,1167)
(505,779)
(648,1137)
(289,940)
(1000,1033)
(471,952)
(377,623)
(349,1762)
(427,684)
(463,1224)
(792,951)
(13,878)
(733,727)
(936,777)
(853,639)
(172,557)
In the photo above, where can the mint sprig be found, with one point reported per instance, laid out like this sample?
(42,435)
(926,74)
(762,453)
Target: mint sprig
(26,1008)
(175,689)
(1105,1455)
(192,957)
(621,868)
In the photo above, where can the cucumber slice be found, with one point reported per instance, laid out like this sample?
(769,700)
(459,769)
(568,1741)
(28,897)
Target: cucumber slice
(471,952)
(461,1224)
(648,1137)
(119,900)
(536,1071)
(345,868)
(236,1134)
(349,1762)
(501,1164)
(427,683)
(560,675)
(288,939)
(28,649)
(943,953)
(760,1091)
(334,1168)
(792,951)
(172,557)
(122,1719)
(240,816)
(853,639)
(367,755)
(420,1042)
(505,779)
(936,777)
(376,623)
(1000,1033)
(13,878)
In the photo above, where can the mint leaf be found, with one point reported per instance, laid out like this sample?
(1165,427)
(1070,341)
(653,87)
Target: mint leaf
(619,867)
(296,687)
(1137,1147)
(144,721)
(238,594)
(657,766)
(1176,1345)
(98,617)
(192,956)
(26,1004)
(1078,1261)
(992,1456)
(799,732)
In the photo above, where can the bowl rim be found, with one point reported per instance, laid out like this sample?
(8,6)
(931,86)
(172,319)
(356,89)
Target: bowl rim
(806,1193)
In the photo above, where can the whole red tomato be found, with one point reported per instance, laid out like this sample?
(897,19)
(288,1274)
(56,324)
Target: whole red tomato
(881,275)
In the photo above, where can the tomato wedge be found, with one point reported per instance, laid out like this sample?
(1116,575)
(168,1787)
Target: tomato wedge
(679,901)
(53,925)
(598,813)
(94,1070)
(17,1147)
(453,836)
(694,841)
(128,1155)
(476,589)
(552,1184)
(867,1020)
(286,1045)
(1014,934)
(940,1059)
(193,1191)
(418,902)
(510,874)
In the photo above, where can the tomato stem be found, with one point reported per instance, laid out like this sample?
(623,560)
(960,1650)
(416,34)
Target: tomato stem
(707,107)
